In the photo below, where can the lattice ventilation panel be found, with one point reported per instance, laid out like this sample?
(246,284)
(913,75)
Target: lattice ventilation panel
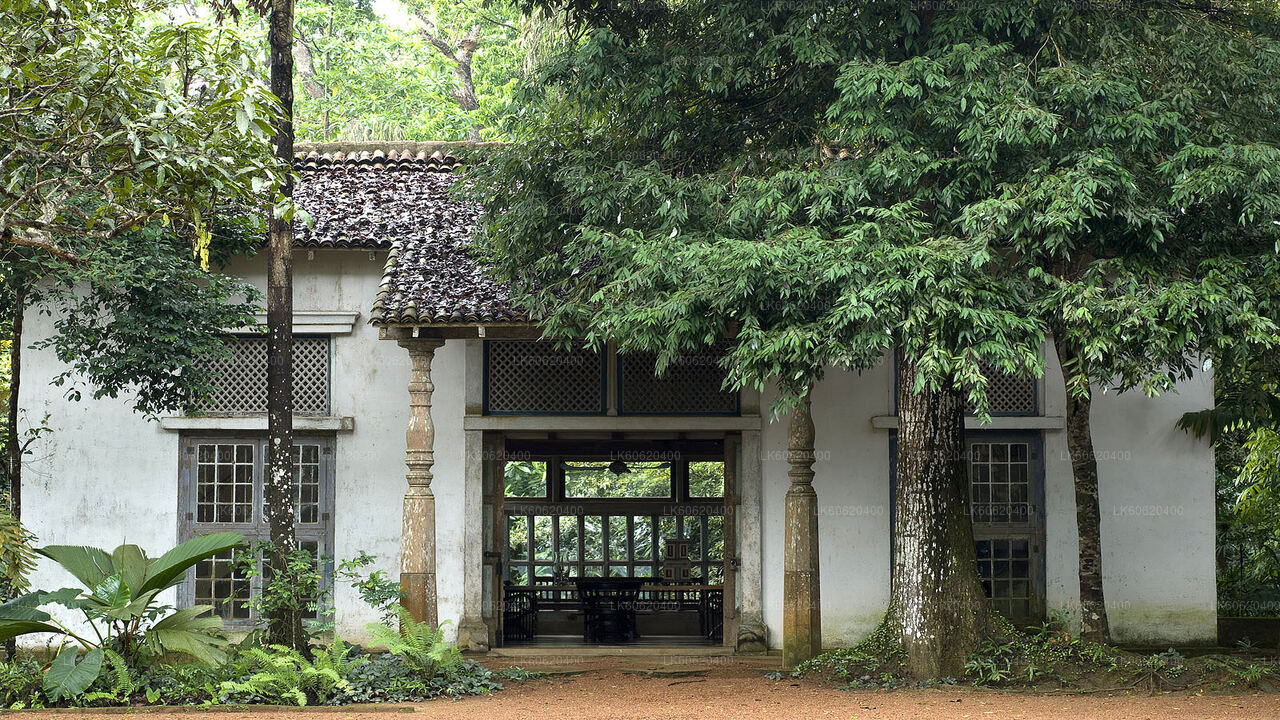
(690,385)
(241,388)
(1010,394)
(537,378)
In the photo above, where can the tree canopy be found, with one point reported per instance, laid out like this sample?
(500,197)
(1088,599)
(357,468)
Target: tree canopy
(829,180)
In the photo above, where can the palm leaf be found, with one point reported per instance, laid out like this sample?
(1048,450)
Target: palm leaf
(168,569)
(14,628)
(131,563)
(89,565)
(185,631)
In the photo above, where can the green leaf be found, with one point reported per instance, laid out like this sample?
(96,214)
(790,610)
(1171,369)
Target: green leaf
(167,570)
(14,628)
(10,611)
(131,563)
(66,678)
(89,565)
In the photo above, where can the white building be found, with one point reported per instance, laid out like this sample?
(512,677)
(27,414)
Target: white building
(382,272)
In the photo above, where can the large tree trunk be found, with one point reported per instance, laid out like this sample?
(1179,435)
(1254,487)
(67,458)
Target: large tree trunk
(937,604)
(286,627)
(1084,466)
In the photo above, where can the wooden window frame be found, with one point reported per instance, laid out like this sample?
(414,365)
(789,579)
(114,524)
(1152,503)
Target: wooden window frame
(678,505)
(257,530)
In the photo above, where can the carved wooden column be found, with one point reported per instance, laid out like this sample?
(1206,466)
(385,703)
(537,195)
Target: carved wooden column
(418,538)
(802,613)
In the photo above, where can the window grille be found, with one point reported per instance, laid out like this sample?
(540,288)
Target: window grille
(1010,394)
(537,378)
(241,385)
(221,490)
(691,385)
(999,482)
(1006,478)
(1004,566)
(623,534)
(1006,493)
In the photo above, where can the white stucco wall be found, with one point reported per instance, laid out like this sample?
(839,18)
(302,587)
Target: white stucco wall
(106,476)
(1156,493)
(852,482)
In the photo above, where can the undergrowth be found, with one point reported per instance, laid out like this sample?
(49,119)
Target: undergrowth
(1042,657)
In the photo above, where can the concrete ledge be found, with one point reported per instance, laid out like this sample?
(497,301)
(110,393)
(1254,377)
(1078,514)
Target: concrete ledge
(309,322)
(1035,422)
(634,423)
(301,423)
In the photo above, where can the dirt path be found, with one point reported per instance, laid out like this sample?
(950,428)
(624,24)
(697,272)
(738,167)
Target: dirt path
(743,693)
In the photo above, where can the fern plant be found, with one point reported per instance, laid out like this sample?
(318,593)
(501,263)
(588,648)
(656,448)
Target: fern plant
(17,556)
(284,676)
(421,646)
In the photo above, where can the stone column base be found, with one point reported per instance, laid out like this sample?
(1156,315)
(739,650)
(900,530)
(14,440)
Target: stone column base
(473,635)
(753,636)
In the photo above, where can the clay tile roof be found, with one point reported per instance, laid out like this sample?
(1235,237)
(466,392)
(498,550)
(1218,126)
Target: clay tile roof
(395,196)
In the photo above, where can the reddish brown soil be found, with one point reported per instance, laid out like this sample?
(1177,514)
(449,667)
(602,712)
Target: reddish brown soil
(743,692)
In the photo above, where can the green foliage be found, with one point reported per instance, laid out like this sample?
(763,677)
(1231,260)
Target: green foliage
(284,676)
(146,323)
(139,147)
(298,590)
(875,662)
(21,683)
(359,77)
(376,589)
(67,677)
(116,120)
(17,557)
(422,647)
(119,605)
(954,181)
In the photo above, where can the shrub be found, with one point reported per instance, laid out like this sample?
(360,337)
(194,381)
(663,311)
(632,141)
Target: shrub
(118,601)
(422,647)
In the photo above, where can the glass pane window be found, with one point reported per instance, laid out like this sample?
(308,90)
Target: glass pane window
(706,479)
(999,482)
(220,584)
(224,483)
(221,484)
(525,479)
(617,479)
(306,483)
(1004,565)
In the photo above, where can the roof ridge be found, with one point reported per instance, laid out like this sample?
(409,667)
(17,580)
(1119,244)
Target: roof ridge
(400,147)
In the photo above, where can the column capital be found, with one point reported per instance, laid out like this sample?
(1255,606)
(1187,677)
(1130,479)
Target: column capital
(800,439)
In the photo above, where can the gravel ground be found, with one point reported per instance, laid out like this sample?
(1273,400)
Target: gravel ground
(739,693)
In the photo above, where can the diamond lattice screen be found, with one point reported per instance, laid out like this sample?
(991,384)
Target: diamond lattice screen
(538,378)
(1010,394)
(241,388)
(691,385)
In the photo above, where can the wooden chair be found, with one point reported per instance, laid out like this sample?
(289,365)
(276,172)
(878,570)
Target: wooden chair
(519,613)
(609,608)
(711,614)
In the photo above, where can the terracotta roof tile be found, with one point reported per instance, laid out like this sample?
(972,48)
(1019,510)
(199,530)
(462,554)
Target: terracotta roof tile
(398,199)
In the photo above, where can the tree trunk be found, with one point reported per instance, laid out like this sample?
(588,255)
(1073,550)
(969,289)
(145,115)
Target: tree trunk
(464,86)
(1084,466)
(13,448)
(937,605)
(13,445)
(285,629)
